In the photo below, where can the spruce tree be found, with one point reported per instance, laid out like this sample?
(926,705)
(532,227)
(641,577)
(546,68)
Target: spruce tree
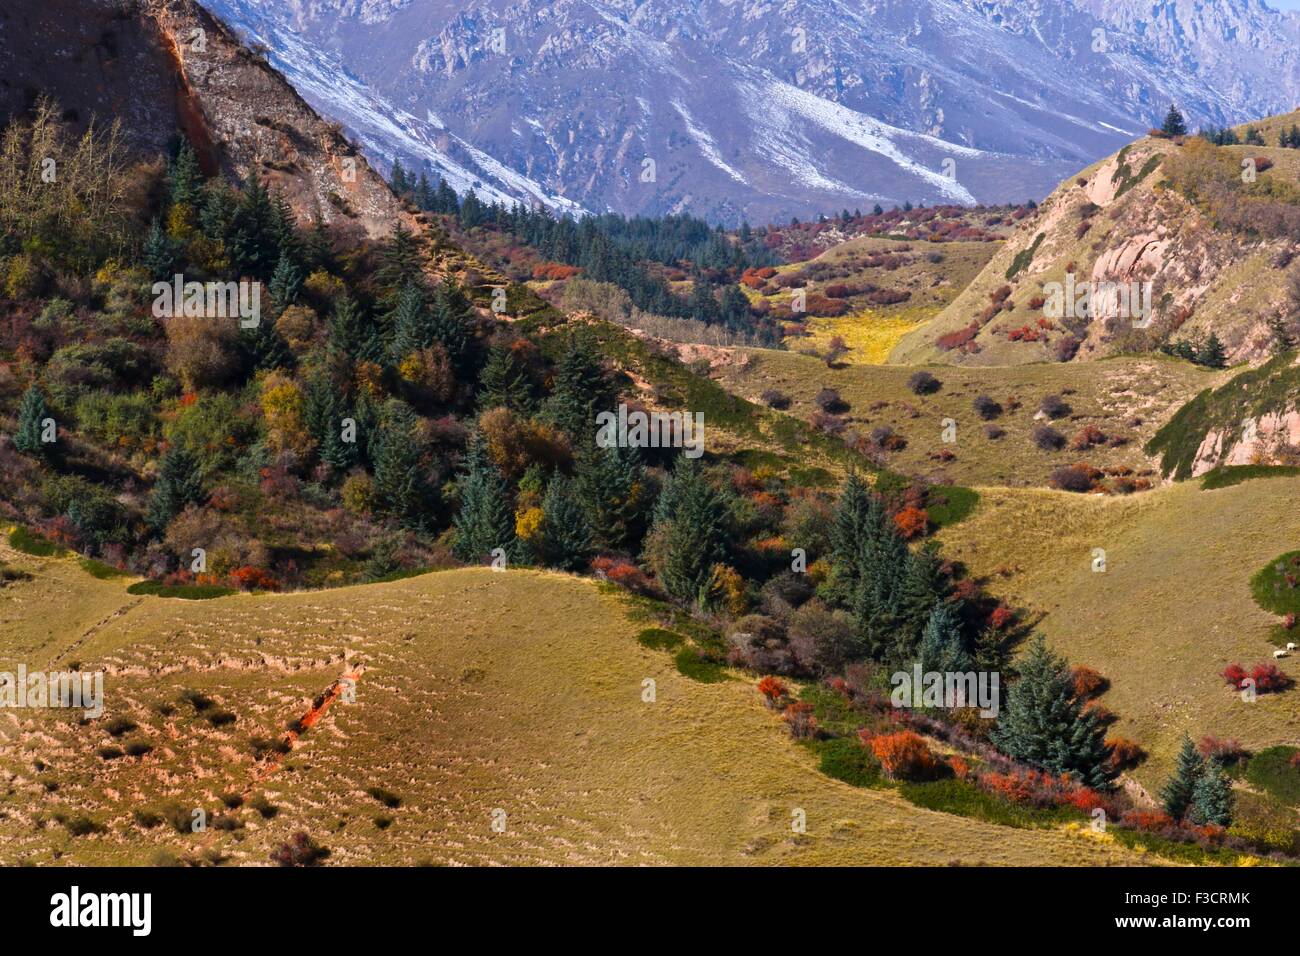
(1174,124)
(1212,797)
(31,416)
(924,584)
(252,248)
(350,335)
(452,324)
(397,462)
(506,382)
(612,485)
(884,563)
(179,484)
(411,324)
(695,533)
(566,534)
(485,520)
(581,390)
(1212,354)
(401,263)
(943,641)
(159,254)
(1044,723)
(286,283)
(184,179)
(1178,789)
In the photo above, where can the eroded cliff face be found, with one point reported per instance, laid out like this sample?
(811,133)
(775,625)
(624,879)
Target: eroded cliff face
(1272,439)
(163,68)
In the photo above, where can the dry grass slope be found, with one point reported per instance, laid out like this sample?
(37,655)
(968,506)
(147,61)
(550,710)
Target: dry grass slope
(519,691)
(1171,610)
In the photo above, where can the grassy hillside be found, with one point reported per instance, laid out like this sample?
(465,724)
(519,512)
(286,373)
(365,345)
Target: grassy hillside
(1171,610)
(525,696)
(1126,398)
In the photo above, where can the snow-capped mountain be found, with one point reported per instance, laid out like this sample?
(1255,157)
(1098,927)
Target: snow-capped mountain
(760,110)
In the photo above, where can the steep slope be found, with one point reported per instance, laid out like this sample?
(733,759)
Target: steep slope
(764,111)
(1213,238)
(163,66)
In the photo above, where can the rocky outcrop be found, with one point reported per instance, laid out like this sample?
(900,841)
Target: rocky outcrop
(166,67)
(1271,439)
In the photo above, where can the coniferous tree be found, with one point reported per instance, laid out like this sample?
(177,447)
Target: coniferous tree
(506,382)
(884,562)
(1212,797)
(943,641)
(485,520)
(397,462)
(253,248)
(1284,336)
(398,180)
(612,485)
(317,250)
(179,484)
(452,324)
(218,211)
(581,390)
(184,179)
(924,584)
(1174,124)
(1178,790)
(286,283)
(566,534)
(401,264)
(31,416)
(159,254)
(695,532)
(350,335)
(1212,354)
(857,516)
(410,322)
(1044,723)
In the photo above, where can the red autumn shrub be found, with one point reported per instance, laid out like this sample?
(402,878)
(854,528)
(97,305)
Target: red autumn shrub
(801,721)
(904,755)
(1001,617)
(554,270)
(1086,437)
(957,339)
(1268,679)
(1087,682)
(912,522)
(1223,749)
(1147,819)
(250,578)
(1124,753)
(773,690)
(1234,674)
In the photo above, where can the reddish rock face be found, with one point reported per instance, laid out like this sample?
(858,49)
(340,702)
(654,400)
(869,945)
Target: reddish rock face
(167,68)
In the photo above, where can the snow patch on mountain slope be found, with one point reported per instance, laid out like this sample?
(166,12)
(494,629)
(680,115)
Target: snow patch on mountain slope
(383,129)
(781,109)
(708,148)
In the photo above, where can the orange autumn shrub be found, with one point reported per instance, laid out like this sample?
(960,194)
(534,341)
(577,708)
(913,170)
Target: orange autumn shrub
(1124,753)
(1087,682)
(911,522)
(904,755)
(773,690)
